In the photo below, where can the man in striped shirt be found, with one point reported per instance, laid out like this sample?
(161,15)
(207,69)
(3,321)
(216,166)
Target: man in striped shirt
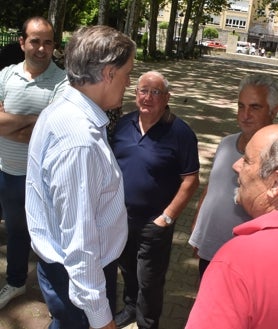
(25,90)
(74,188)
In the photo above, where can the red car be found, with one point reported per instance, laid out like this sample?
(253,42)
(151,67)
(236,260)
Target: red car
(215,44)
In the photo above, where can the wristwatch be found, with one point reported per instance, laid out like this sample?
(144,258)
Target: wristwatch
(168,220)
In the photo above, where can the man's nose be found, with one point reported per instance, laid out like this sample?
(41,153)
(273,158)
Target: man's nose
(238,165)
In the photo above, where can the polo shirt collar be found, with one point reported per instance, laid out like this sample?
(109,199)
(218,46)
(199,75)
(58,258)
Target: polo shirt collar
(47,74)
(264,222)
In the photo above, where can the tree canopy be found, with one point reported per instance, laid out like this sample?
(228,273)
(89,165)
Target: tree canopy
(125,15)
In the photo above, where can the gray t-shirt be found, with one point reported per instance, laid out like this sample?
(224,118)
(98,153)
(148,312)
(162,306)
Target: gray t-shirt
(219,214)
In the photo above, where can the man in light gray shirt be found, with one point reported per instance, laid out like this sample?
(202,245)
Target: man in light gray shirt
(25,90)
(217,213)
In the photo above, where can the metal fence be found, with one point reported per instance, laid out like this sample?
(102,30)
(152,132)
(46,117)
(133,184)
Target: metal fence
(8,37)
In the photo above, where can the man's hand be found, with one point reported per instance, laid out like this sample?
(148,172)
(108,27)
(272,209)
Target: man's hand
(159,221)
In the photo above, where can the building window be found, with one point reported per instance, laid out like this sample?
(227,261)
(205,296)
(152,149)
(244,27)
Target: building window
(215,20)
(235,22)
(161,13)
(240,6)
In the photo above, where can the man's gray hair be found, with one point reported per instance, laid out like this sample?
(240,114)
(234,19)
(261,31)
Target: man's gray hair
(158,74)
(269,160)
(91,49)
(265,80)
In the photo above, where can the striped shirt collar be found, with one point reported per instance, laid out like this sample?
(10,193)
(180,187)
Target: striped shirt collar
(90,108)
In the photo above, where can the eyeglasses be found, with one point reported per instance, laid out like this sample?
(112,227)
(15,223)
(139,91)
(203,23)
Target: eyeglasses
(153,92)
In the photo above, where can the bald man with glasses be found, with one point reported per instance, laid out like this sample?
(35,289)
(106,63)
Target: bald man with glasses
(157,153)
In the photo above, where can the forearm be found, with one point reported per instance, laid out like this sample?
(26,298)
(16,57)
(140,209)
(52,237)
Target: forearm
(188,186)
(22,135)
(12,123)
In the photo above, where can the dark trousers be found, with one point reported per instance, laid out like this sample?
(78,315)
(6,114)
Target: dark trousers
(54,283)
(203,264)
(144,264)
(12,200)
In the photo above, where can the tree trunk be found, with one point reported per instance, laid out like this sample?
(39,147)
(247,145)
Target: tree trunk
(56,15)
(154,8)
(137,17)
(133,18)
(103,12)
(171,29)
(130,17)
(199,16)
(185,25)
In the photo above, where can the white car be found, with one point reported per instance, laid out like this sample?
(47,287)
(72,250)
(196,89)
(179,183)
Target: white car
(246,50)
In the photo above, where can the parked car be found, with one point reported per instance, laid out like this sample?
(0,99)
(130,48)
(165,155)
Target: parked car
(246,50)
(214,44)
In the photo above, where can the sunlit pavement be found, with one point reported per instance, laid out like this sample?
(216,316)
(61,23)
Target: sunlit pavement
(204,94)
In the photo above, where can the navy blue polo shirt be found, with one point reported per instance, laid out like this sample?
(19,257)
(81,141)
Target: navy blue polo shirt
(153,163)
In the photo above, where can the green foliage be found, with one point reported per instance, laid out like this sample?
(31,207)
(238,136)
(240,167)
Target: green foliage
(273,5)
(163,25)
(139,54)
(268,54)
(144,40)
(210,33)
(13,13)
(80,12)
(142,23)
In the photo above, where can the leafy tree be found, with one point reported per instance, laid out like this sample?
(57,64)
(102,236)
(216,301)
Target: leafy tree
(198,12)
(80,12)
(13,13)
(210,33)
(197,9)
(135,12)
(126,15)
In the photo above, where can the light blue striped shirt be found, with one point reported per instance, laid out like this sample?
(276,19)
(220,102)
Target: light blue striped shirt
(23,96)
(75,199)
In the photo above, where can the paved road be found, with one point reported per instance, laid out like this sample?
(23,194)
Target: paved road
(204,94)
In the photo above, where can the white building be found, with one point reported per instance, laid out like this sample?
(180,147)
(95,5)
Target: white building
(246,19)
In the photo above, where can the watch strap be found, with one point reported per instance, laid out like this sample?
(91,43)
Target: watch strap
(167,219)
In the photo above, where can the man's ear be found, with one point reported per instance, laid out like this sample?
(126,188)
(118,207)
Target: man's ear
(272,192)
(274,112)
(108,73)
(21,42)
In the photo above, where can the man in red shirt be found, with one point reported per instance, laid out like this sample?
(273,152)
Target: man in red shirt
(239,288)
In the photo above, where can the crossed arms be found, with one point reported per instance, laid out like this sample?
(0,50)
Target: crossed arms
(16,127)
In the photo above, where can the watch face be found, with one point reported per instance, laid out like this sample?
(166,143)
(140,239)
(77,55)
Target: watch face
(168,220)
